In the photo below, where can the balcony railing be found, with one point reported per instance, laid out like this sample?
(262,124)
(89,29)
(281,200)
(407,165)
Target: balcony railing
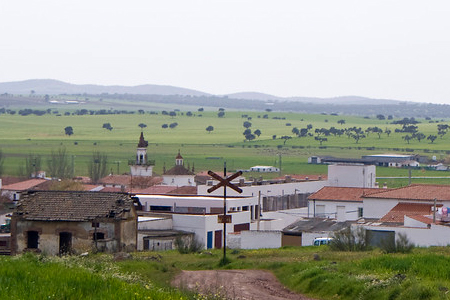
(133,162)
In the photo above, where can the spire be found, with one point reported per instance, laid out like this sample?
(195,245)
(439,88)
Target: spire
(142,143)
(179,159)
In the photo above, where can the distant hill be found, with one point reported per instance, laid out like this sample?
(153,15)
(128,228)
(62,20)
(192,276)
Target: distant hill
(56,87)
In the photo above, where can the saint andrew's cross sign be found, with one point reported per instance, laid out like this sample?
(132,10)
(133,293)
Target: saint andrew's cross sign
(225,182)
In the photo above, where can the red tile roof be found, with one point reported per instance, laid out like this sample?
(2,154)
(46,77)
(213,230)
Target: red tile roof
(178,170)
(416,192)
(156,189)
(24,185)
(185,190)
(72,206)
(342,193)
(397,214)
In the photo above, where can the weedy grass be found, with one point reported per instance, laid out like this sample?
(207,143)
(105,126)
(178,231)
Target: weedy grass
(315,271)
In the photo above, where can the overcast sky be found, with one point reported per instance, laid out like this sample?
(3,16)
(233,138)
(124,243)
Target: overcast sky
(393,49)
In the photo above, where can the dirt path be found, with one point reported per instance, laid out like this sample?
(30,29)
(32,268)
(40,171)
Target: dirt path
(236,284)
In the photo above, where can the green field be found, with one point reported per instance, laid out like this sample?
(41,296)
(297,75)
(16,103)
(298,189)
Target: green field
(24,135)
(422,274)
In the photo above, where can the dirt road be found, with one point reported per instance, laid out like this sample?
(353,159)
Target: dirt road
(236,284)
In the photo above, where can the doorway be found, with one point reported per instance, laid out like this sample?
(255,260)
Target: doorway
(65,243)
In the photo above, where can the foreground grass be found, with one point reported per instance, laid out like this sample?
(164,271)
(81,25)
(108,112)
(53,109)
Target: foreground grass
(423,274)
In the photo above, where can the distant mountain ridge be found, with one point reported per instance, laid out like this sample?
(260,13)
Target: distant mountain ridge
(56,87)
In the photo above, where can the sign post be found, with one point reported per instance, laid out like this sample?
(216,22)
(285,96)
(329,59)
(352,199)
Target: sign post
(225,182)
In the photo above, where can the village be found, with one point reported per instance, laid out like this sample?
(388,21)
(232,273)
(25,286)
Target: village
(182,207)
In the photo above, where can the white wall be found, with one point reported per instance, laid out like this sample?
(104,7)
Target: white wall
(179,180)
(150,223)
(201,224)
(377,208)
(260,239)
(206,202)
(437,235)
(352,175)
(331,208)
(269,189)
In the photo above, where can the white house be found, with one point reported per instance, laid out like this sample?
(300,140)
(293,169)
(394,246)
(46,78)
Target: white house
(179,175)
(349,175)
(340,203)
(264,169)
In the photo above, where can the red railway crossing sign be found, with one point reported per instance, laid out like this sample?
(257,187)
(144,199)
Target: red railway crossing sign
(225,182)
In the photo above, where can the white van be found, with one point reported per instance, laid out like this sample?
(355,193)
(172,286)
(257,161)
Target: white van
(322,241)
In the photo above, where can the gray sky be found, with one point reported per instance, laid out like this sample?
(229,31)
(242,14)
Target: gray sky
(395,49)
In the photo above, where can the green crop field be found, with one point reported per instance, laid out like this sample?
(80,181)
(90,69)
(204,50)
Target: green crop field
(39,135)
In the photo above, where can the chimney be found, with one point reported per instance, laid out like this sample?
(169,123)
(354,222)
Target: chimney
(287,179)
(241,182)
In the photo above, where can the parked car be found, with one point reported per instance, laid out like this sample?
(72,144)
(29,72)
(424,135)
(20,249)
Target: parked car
(322,241)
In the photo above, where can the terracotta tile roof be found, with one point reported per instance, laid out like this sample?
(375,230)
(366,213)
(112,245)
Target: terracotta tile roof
(72,206)
(24,185)
(396,214)
(416,192)
(343,193)
(156,189)
(10,180)
(178,170)
(185,190)
(423,219)
(116,179)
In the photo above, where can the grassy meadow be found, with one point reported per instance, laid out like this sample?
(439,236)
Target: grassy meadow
(422,274)
(24,135)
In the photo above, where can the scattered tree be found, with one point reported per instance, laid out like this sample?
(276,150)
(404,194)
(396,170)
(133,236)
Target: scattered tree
(58,164)
(407,138)
(209,128)
(68,130)
(257,132)
(32,165)
(2,159)
(97,166)
(285,138)
(142,125)
(432,138)
(107,126)
(320,139)
(164,126)
(172,114)
(221,114)
(200,109)
(419,136)
(173,125)
(341,122)
(247,124)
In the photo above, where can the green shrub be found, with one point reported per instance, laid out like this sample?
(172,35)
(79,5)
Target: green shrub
(185,246)
(349,239)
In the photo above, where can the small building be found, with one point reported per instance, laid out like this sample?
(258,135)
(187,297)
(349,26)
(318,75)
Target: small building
(264,169)
(179,175)
(13,191)
(62,222)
